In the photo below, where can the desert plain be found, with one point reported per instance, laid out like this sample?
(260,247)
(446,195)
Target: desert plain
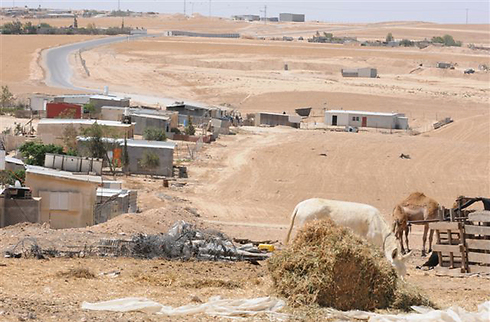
(246,185)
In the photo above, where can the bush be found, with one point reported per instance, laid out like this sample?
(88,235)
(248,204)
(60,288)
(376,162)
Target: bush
(154,134)
(389,37)
(446,40)
(9,177)
(190,129)
(149,161)
(406,43)
(330,266)
(34,153)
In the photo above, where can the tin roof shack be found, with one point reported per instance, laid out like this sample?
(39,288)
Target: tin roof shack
(67,200)
(73,98)
(38,103)
(63,110)
(96,99)
(360,72)
(164,150)
(292,17)
(444,65)
(108,100)
(220,126)
(199,114)
(366,119)
(114,113)
(275,119)
(136,151)
(114,202)
(144,121)
(17,205)
(51,130)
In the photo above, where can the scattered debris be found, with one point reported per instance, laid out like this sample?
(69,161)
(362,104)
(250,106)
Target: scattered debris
(77,273)
(323,154)
(182,241)
(469,71)
(404,156)
(443,122)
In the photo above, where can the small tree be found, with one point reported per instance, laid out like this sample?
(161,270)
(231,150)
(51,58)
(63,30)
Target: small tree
(70,137)
(389,37)
(190,129)
(97,148)
(154,134)
(125,156)
(7,97)
(406,43)
(89,108)
(150,161)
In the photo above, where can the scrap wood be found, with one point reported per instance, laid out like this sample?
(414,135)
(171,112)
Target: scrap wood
(244,241)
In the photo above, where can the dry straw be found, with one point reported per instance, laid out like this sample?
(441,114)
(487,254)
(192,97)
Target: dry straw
(330,266)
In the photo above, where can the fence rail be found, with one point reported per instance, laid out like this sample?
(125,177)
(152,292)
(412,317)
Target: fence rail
(464,245)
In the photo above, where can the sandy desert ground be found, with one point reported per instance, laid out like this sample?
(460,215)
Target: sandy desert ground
(247,184)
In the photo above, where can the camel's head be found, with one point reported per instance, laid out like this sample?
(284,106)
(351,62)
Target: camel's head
(398,261)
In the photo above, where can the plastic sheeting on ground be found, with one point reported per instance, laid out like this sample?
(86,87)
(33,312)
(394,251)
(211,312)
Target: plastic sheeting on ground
(422,314)
(215,306)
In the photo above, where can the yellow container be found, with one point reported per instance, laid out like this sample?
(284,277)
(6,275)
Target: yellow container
(267,247)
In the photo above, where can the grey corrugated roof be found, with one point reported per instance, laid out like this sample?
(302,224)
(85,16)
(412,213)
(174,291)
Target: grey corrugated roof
(82,121)
(63,174)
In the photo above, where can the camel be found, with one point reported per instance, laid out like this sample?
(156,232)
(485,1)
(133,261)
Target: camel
(416,206)
(365,221)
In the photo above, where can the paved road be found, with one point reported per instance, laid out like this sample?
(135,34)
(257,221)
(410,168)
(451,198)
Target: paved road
(59,71)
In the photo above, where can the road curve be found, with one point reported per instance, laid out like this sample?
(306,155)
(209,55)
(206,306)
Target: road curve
(58,68)
(59,71)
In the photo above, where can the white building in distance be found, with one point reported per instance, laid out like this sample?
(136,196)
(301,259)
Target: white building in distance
(366,119)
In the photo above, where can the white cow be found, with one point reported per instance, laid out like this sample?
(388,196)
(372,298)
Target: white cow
(364,220)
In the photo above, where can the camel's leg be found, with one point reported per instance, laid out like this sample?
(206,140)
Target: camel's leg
(406,237)
(430,239)
(424,238)
(401,242)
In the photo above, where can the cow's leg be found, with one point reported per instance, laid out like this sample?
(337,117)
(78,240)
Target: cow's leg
(424,238)
(430,239)
(406,237)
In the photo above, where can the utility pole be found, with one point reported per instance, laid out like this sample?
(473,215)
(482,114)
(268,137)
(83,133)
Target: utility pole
(192,8)
(467,15)
(118,5)
(210,8)
(184,8)
(265,13)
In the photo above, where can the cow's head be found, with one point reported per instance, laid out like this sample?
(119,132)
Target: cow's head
(398,261)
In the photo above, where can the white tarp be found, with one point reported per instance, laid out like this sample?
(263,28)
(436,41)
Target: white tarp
(215,306)
(423,314)
(248,307)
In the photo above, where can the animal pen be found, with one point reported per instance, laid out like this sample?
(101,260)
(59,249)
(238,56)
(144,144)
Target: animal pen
(464,241)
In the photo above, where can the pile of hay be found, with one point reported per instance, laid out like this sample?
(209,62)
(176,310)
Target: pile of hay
(330,266)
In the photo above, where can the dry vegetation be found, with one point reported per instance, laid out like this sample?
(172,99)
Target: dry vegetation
(330,266)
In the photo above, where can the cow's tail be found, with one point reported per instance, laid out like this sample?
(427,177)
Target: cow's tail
(293,217)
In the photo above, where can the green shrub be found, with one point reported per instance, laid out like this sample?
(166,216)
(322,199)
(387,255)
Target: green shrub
(154,134)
